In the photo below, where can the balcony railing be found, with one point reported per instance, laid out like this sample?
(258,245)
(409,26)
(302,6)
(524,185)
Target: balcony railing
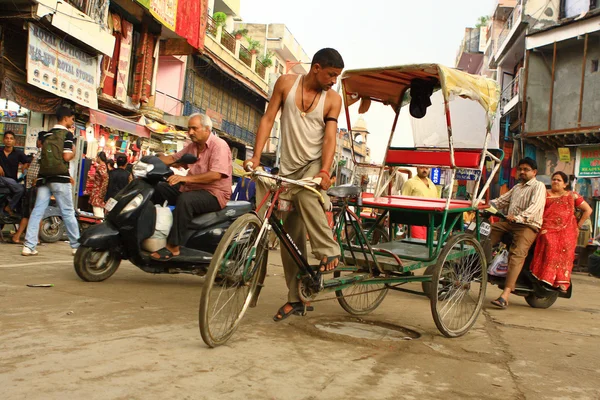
(510,91)
(260,69)
(211,27)
(228,41)
(512,19)
(245,56)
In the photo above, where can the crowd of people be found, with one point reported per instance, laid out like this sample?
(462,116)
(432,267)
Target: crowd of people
(45,177)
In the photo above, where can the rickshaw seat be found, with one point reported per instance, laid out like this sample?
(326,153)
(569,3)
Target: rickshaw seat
(398,156)
(415,203)
(345,191)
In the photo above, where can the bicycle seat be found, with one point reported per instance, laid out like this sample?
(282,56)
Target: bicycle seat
(232,210)
(345,191)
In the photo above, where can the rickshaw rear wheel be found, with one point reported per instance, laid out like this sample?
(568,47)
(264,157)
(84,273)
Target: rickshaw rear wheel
(458,285)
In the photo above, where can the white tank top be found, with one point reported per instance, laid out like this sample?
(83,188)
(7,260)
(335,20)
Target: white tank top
(301,136)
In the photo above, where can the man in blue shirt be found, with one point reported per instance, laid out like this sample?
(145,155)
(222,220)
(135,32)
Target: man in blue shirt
(10,158)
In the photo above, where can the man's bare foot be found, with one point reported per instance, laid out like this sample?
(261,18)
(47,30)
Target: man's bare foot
(329,263)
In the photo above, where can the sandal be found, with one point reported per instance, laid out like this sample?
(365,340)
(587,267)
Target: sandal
(328,261)
(164,254)
(500,303)
(298,308)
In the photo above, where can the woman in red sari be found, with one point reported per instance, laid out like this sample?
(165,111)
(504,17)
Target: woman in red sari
(555,245)
(100,184)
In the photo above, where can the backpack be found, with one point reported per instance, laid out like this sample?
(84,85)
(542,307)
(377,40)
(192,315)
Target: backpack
(51,157)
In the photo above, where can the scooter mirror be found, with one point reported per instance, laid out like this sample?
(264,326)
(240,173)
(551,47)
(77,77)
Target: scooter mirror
(188,159)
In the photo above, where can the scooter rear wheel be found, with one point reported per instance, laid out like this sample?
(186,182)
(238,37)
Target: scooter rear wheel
(232,280)
(52,229)
(541,302)
(93,265)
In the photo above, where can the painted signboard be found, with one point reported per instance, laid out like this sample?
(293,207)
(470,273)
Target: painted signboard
(165,11)
(588,161)
(436,175)
(61,68)
(124,62)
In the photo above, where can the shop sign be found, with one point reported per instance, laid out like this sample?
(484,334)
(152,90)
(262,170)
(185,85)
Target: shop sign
(165,11)
(436,175)
(467,174)
(124,62)
(588,160)
(61,68)
(216,118)
(564,154)
(25,97)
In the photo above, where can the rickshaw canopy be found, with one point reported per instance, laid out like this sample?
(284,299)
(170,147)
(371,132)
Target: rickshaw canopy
(389,84)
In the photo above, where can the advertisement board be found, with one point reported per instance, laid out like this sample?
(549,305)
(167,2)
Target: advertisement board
(588,162)
(61,68)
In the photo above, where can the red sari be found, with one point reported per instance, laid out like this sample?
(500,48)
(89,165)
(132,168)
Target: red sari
(100,184)
(555,245)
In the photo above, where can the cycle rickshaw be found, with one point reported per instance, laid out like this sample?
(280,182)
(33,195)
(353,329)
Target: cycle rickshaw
(457,265)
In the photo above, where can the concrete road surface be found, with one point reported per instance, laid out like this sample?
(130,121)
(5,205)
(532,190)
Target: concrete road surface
(135,336)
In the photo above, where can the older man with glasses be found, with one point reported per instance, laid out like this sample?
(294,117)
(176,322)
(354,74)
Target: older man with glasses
(525,203)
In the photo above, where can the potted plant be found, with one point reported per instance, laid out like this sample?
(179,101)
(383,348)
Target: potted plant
(267,59)
(253,46)
(240,33)
(220,18)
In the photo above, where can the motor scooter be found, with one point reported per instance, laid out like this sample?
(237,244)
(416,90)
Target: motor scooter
(131,218)
(537,294)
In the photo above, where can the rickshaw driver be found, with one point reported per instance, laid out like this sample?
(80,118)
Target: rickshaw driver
(309,112)
(525,202)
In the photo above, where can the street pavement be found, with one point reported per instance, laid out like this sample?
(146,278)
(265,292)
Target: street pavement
(135,336)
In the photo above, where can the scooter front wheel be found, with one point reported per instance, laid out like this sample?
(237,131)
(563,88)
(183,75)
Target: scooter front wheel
(52,229)
(232,279)
(94,265)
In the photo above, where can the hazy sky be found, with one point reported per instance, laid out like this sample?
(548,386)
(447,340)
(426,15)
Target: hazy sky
(375,33)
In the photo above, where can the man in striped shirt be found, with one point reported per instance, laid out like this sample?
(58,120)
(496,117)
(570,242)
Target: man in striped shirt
(525,203)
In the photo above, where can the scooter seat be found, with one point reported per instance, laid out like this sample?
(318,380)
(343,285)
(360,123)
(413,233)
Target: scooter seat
(232,210)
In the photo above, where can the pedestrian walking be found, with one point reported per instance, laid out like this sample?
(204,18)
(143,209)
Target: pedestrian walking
(54,180)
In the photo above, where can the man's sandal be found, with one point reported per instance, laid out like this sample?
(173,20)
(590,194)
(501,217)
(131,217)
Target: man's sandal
(164,254)
(500,303)
(326,262)
(298,308)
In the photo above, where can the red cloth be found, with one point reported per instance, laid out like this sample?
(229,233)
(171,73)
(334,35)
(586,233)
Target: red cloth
(143,68)
(418,232)
(188,20)
(100,184)
(555,245)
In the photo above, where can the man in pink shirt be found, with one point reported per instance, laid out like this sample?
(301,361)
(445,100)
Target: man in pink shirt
(205,188)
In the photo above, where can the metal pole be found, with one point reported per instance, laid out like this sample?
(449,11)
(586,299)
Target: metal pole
(585,49)
(552,88)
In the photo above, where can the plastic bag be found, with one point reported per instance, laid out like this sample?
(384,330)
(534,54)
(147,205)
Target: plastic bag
(499,265)
(164,222)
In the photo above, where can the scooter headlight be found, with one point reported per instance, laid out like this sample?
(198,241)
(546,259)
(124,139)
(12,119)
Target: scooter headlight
(141,169)
(133,204)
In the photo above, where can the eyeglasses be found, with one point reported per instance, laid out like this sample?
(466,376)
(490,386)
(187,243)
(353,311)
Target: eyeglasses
(525,169)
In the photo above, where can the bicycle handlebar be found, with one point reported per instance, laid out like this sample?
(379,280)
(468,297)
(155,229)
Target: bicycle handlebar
(308,185)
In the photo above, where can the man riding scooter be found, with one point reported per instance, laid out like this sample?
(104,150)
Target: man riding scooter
(525,203)
(206,188)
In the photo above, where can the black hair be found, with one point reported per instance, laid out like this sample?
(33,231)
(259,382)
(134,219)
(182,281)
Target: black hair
(121,160)
(274,171)
(102,156)
(327,58)
(528,161)
(9,133)
(564,177)
(41,135)
(63,112)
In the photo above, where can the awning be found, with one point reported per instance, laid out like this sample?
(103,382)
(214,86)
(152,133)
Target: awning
(159,128)
(76,24)
(118,123)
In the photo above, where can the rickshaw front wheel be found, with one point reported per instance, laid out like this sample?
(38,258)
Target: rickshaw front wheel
(458,285)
